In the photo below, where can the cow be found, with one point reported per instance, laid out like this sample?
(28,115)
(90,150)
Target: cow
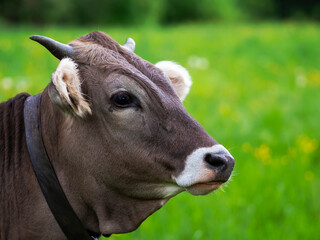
(117,136)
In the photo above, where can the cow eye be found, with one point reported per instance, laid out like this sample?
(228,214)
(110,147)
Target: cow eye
(123,100)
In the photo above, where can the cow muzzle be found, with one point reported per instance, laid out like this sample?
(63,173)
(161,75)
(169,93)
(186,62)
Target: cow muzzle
(206,169)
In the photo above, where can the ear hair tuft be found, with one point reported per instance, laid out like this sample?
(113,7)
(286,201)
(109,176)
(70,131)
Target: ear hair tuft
(179,77)
(67,93)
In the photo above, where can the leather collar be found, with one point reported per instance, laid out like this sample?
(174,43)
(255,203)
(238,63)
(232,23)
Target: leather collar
(58,203)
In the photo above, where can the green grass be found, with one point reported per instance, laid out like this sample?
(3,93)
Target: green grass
(256,90)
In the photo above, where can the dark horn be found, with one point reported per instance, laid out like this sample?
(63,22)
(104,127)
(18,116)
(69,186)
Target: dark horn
(130,44)
(59,50)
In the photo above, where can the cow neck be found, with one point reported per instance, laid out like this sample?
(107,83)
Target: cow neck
(56,199)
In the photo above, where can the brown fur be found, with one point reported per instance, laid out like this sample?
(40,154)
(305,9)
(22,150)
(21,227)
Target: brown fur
(13,161)
(21,201)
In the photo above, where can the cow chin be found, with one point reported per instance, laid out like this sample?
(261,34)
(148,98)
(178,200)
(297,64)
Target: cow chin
(203,188)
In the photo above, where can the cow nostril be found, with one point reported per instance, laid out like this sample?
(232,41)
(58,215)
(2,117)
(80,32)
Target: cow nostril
(216,161)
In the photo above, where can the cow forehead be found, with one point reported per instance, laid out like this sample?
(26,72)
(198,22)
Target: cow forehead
(102,39)
(94,54)
(99,49)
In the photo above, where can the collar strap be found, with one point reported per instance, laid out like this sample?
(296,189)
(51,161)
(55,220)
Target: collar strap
(58,203)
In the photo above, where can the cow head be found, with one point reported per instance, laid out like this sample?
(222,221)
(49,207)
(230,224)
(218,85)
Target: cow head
(125,142)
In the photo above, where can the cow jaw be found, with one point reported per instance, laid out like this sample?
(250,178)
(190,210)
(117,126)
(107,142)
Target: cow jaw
(171,190)
(123,214)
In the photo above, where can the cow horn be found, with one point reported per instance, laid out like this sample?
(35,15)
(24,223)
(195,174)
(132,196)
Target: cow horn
(130,44)
(59,50)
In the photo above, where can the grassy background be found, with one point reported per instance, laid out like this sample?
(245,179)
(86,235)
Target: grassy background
(256,90)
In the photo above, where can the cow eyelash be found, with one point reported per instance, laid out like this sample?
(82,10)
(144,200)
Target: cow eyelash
(124,99)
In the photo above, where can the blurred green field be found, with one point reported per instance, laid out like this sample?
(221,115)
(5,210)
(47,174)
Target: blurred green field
(256,90)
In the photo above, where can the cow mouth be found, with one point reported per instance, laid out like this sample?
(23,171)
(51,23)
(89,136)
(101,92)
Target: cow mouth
(204,188)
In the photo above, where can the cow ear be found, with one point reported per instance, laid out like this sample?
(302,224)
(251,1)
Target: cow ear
(179,77)
(66,89)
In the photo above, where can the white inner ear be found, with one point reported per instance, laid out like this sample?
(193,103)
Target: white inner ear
(68,85)
(179,77)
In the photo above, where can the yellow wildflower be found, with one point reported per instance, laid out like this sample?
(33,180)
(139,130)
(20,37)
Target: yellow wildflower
(314,78)
(307,144)
(263,153)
